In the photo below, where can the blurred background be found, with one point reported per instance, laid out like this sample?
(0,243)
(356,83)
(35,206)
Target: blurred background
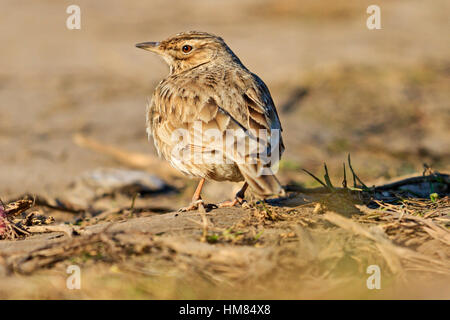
(381,95)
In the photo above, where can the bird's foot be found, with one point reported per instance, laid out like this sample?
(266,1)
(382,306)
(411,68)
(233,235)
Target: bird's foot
(232,203)
(193,206)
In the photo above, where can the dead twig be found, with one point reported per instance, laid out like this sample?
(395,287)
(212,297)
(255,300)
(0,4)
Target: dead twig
(69,230)
(45,201)
(17,207)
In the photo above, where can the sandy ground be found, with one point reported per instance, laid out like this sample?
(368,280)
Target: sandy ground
(340,88)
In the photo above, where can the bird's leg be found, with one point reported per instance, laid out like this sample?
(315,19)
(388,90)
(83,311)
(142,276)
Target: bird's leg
(238,199)
(196,198)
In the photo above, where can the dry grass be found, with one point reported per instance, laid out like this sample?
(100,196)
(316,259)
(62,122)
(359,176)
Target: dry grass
(264,251)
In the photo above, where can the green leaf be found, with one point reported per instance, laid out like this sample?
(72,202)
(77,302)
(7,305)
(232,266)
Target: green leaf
(434,197)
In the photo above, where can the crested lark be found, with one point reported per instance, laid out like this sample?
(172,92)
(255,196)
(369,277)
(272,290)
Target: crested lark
(209,90)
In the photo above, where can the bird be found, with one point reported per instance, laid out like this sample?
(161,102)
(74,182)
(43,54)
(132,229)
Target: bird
(208,89)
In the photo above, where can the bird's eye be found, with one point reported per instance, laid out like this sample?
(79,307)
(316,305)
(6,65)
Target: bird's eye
(186,48)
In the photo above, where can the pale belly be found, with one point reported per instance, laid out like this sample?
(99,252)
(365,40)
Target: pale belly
(218,172)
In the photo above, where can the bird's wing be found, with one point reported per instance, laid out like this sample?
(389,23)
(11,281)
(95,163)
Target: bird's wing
(254,109)
(245,105)
(248,103)
(259,94)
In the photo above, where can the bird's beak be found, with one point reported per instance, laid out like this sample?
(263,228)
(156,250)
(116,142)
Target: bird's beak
(149,46)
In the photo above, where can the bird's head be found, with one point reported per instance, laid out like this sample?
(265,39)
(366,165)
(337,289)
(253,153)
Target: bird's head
(187,50)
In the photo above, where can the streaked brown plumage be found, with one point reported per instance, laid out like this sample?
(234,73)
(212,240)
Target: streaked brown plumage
(208,83)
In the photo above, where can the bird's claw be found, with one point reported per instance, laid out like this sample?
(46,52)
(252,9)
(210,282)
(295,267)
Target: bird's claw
(232,203)
(195,205)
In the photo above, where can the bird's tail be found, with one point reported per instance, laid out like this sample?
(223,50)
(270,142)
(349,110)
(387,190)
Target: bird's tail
(263,185)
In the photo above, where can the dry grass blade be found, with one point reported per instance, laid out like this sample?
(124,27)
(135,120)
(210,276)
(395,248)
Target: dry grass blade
(395,256)
(317,179)
(344,181)
(355,177)
(205,222)
(327,177)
